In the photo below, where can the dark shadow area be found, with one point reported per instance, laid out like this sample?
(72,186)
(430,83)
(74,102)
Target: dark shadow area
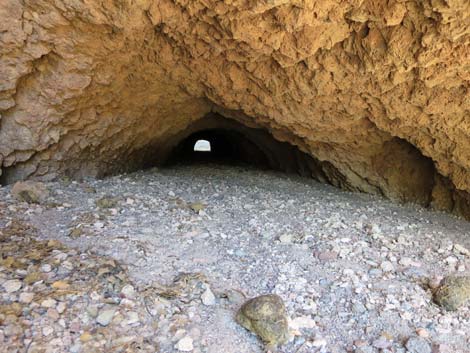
(226,147)
(234,143)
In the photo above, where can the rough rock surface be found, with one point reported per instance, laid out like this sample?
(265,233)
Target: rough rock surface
(378,90)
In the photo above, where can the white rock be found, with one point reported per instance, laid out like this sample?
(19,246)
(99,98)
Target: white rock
(46,331)
(61,307)
(208,297)
(286,238)
(185,344)
(46,268)
(26,297)
(12,285)
(319,342)
(461,250)
(387,266)
(128,290)
(302,322)
(48,303)
(105,317)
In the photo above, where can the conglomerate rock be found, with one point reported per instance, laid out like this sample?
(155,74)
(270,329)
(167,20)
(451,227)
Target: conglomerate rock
(376,91)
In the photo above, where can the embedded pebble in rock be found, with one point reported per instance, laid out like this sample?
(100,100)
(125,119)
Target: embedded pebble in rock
(354,273)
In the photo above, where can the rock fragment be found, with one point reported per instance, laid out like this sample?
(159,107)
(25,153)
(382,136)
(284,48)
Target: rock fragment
(105,317)
(208,297)
(265,316)
(12,285)
(30,191)
(418,345)
(185,344)
(453,293)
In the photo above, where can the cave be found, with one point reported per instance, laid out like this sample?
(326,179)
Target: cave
(327,88)
(233,143)
(163,163)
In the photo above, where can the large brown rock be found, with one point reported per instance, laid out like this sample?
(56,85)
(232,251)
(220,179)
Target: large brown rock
(376,91)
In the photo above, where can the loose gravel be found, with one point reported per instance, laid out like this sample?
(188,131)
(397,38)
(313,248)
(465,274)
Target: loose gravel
(160,261)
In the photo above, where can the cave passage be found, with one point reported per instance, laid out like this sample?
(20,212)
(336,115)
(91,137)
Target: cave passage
(226,147)
(227,141)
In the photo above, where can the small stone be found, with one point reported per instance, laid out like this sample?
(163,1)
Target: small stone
(208,297)
(47,330)
(418,345)
(12,285)
(128,291)
(53,314)
(105,317)
(86,336)
(286,238)
(185,344)
(381,343)
(459,249)
(30,191)
(387,266)
(302,322)
(48,303)
(60,285)
(453,293)
(46,268)
(319,342)
(327,256)
(422,332)
(61,307)
(107,202)
(26,297)
(266,316)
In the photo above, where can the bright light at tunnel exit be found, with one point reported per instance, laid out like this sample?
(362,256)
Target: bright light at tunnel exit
(202,146)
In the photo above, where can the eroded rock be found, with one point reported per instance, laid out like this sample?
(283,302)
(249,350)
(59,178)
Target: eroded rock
(30,191)
(265,316)
(453,292)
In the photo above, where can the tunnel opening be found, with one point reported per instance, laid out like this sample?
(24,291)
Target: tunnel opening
(215,139)
(221,146)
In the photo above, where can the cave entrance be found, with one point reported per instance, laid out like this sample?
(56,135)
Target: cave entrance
(219,146)
(218,140)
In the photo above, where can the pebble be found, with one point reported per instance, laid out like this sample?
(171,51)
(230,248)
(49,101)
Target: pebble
(12,285)
(387,266)
(418,345)
(105,317)
(208,297)
(302,322)
(128,291)
(185,344)
(26,297)
(48,303)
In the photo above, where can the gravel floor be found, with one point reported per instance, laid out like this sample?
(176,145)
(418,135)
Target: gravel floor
(352,269)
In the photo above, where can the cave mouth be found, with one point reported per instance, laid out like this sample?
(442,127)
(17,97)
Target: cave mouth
(230,142)
(219,146)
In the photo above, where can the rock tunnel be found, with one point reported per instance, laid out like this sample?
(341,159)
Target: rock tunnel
(369,96)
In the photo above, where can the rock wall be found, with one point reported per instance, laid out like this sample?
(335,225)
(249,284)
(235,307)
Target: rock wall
(378,91)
